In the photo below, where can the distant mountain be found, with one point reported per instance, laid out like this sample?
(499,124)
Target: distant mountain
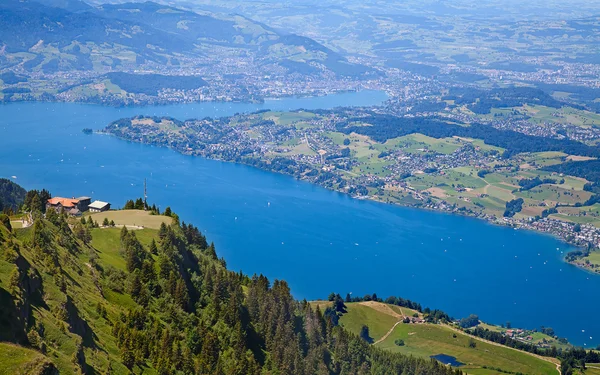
(66,35)
(30,26)
(70,5)
(193,27)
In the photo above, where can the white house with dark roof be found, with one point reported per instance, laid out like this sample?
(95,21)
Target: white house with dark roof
(99,206)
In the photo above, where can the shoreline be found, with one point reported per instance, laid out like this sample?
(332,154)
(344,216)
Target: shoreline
(510,223)
(158,102)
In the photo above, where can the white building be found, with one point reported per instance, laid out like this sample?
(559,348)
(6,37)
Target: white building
(99,206)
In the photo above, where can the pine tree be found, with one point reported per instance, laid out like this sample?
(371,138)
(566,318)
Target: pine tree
(135,286)
(36,204)
(139,204)
(148,274)
(181,294)
(211,252)
(153,249)
(52,216)
(124,233)
(14,282)
(44,197)
(162,231)
(128,358)
(364,334)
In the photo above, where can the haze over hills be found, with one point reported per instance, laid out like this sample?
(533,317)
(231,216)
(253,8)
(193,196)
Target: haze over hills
(248,51)
(80,43)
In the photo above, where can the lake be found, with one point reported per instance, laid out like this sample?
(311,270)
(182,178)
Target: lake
(318,240)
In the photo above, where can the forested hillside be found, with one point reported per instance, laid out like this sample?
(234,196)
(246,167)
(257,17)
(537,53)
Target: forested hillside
(11,195)
(106,298)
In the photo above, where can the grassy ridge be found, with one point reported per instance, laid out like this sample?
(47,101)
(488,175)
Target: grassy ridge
(174,310)
(425,340)
(18,360)
(86,334)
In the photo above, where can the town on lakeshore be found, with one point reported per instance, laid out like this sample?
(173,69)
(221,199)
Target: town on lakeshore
(507,177)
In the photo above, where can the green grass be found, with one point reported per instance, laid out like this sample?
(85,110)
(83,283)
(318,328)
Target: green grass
(358,315)
(566,115)
(288,118)
(553,193)
(18,360)
(499,192)
(108,243)
(425,340)
(85,295)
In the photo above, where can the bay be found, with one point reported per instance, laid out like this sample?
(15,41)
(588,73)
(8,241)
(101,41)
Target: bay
(318,240)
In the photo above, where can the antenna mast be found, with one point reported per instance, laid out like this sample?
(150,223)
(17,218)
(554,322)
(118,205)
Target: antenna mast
(145,196)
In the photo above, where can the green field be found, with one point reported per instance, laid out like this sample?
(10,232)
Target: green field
(379,323)
(20,361)
(287,118)
(108,244)
(425,340)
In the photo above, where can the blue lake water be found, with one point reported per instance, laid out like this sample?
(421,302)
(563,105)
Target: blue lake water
(447,360)
(319,241)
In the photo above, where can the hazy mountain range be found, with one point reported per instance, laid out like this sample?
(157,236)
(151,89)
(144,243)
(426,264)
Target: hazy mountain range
(62,35)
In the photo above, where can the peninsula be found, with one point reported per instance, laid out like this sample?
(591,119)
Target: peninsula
(503,176)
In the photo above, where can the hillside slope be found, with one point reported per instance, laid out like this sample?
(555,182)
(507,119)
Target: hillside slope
(92,298)
(389,332)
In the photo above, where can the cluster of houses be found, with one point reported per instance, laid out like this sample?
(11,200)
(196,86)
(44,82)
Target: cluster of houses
(413,319)
(76,206)
(518,334)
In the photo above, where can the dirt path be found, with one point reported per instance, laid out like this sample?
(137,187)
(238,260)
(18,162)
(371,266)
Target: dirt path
(383,308)
(388,333)
(547,359)
(485,188)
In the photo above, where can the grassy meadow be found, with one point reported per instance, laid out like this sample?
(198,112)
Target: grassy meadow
(425,340)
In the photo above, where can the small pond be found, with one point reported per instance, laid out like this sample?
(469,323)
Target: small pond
(447,360)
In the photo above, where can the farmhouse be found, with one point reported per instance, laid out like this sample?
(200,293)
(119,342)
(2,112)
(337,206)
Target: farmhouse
(99,206)
(74,206)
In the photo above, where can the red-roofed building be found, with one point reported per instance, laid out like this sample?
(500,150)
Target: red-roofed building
(70,205)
